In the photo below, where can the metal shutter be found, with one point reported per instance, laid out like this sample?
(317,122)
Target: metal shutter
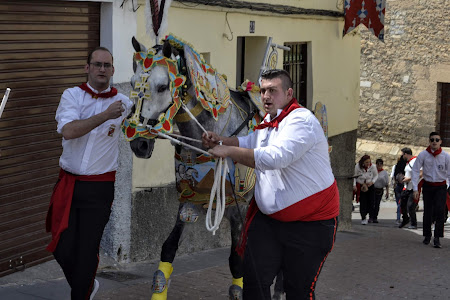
(43,49)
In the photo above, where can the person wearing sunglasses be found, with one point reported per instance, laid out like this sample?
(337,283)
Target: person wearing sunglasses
(435,165)
(89,118)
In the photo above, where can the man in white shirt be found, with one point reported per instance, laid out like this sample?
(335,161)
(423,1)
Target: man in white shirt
(436,174)
(292,219)
(407,202)
(380,184)
(89,118)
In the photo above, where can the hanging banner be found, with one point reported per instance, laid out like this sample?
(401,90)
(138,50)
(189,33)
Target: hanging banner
(367,12)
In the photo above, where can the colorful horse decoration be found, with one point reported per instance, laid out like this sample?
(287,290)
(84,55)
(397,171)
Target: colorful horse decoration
(174,85)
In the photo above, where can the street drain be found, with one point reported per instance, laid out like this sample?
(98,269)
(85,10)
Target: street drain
(118,276)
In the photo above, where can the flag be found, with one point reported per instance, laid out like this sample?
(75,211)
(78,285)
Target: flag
(367,12)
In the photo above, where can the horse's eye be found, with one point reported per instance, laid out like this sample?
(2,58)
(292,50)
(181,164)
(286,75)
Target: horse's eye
(162,88)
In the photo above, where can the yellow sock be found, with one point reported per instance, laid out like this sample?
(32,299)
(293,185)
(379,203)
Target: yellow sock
(239,282)
(167,269)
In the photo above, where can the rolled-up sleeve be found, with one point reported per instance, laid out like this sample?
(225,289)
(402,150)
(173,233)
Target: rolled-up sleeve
(293,140)
(68,110)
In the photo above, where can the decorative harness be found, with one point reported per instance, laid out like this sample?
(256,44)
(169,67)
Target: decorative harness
(214,98)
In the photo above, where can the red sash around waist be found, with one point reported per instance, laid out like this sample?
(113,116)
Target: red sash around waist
(435,183)
(58,212)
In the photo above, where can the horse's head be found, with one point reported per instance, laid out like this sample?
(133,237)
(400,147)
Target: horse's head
(156,87)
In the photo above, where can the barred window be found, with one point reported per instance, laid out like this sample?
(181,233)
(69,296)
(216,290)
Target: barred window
(295,63)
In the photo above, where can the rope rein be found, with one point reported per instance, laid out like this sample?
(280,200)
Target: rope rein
(217,191)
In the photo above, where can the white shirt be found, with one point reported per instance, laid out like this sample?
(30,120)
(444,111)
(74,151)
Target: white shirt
(365,176)
(408,173)
(95,152)
(291,162)
(435,169)
(382,180)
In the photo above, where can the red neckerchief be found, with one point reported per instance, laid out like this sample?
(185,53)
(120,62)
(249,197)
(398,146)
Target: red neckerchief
(380,170)
(94,95)
(274,123)
(435,153)
(413,158)
(368,167)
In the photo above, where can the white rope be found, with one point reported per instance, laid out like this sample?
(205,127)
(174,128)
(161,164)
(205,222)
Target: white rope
(4,100)
(184,137)
(182,144)
(193,117)
(219,191)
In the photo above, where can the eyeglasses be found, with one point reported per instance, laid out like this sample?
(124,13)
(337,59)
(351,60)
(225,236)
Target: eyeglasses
(99,65)
(434,139)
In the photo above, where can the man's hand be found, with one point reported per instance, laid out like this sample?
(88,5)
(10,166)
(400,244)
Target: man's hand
(115,110)
(416,195)
(210,140)
(219,151)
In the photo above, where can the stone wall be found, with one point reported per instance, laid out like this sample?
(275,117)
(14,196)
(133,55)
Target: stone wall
(400,78)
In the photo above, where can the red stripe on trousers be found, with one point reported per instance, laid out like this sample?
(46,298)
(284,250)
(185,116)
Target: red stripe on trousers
(323,261)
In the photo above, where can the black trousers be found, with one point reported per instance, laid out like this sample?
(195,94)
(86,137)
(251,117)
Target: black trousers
(366,201)
(434,198)
(298,249)
(375,209)
(408,206)
(78,247)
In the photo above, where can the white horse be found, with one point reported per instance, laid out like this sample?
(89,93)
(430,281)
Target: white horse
(166,76)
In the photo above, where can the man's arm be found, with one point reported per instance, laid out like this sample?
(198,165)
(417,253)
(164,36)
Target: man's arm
(78,128)
(243,156)
(211,139)
(415,175)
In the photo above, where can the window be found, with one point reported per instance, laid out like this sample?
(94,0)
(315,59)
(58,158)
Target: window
(295,63)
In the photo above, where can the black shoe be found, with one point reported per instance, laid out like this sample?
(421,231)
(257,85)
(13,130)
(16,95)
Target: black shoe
(436,242)
(427,240)
(375,220)
(404,223)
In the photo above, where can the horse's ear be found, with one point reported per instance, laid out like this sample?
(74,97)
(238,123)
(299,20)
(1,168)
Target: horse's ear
(167,49)
(138,47)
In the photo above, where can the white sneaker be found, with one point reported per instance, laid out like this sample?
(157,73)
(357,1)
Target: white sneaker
(364,222)
(94,289)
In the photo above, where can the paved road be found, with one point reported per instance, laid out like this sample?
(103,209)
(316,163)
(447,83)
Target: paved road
(375,261)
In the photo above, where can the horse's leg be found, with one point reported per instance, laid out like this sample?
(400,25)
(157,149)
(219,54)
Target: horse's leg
(168,252)
(236,215)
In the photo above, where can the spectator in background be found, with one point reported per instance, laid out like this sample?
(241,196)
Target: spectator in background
(380,184)
(397,174)
(365,176)
(407,202)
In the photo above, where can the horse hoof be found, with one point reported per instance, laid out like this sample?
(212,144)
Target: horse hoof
(159,282)
(235,292)
(188,213)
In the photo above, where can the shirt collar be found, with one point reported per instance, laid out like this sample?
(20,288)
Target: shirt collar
(97,92)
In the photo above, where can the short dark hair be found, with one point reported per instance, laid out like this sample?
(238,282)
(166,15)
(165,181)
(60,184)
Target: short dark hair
(407,150)
(379,160)
(434,133)
(278,73)
(96,49)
